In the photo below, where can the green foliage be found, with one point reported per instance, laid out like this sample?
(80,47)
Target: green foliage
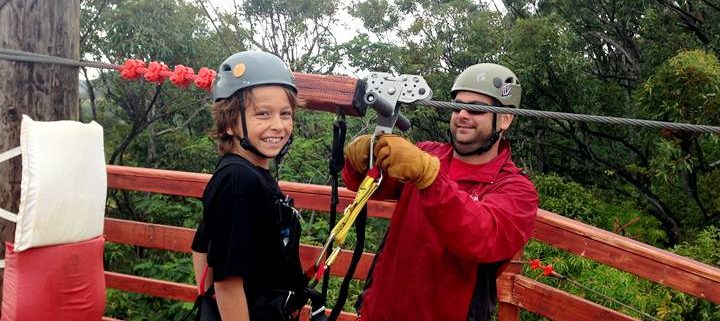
(686,89)
(644,58)
(704,247)
(597,208)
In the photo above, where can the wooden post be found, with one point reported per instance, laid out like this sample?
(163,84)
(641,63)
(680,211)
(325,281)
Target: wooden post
(506,310)
(42,91)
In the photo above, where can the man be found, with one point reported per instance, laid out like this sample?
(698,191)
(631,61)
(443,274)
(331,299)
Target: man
(464,209)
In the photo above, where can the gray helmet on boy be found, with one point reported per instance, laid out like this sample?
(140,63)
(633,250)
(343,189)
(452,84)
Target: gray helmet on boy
(250,68)
(490,79)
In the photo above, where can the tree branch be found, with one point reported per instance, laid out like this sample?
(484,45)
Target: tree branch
(187,121)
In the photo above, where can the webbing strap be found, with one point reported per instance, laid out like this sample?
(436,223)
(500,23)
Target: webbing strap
(10,216)
(337,161)
(10,154)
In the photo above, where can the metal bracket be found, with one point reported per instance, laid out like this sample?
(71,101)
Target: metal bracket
(384,93)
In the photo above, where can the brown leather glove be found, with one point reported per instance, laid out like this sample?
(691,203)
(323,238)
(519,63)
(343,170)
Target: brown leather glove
(403,160)
(358,153)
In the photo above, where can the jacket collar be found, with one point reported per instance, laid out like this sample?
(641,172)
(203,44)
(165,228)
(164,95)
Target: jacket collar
(481,173)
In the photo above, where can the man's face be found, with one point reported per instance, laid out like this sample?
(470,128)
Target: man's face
(471,130)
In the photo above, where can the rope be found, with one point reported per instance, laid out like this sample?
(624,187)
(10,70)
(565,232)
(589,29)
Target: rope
(24,56)
(606,297)
(573,117)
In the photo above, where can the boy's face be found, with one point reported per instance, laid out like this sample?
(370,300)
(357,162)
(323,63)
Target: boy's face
(471,130)
(269,119)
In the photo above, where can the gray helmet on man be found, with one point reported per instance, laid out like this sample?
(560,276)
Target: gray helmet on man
(250,68)
(490,79)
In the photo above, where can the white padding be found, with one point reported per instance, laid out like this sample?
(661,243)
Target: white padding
(64,183)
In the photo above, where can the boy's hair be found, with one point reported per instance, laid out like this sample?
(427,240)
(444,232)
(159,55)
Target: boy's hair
(226,114)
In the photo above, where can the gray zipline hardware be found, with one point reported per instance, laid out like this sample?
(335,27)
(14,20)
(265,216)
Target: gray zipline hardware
(385,92)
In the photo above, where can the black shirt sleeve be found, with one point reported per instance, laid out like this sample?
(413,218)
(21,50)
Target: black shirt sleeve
(200,240)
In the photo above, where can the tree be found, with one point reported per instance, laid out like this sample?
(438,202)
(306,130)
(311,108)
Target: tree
(131,30)
(299,32)
(42,91)
(435,39)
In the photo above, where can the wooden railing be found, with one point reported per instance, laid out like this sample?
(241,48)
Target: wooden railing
(515,291)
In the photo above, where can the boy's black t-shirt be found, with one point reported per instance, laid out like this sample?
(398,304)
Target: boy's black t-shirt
(248,234)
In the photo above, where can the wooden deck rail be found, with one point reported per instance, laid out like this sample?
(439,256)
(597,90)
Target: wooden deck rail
(514,291)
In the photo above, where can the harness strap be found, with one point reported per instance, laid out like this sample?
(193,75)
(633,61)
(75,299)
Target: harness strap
(201,286)
(337,161)
(357,254)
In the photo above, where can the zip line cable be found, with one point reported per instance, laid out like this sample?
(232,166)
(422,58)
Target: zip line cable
(16,55)
(574,117)
(23,56)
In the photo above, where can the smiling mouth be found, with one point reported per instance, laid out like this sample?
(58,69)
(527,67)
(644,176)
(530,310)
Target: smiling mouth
(272,140)
(464,127)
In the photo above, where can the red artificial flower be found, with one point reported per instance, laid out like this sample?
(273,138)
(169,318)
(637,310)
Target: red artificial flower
(204,78)
(131,69)
(535,264)
(548,270)
(156,72)
(182,76)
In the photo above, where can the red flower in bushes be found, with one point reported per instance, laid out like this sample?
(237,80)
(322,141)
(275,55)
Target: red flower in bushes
(548,270)
(535,264)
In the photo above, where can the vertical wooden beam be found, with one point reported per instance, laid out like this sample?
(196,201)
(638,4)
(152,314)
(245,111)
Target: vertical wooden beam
(508,311)
(42,91)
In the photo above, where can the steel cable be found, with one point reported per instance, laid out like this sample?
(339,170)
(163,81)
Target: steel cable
(573,117)
(17,55)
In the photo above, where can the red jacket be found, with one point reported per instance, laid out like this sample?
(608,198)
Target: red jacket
(439,237)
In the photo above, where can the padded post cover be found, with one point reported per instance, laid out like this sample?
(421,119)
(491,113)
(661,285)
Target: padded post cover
(55,283)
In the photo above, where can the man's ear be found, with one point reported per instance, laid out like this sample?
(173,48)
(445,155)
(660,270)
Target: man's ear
(505,121)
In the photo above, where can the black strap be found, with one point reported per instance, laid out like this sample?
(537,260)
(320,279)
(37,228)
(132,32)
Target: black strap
(337,161)
(357,254)
(369,278)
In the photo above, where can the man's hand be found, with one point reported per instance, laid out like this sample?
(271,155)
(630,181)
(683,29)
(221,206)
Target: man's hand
(402,160)
(358,153)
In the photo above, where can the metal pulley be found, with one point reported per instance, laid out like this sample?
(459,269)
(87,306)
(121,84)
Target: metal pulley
(384,94)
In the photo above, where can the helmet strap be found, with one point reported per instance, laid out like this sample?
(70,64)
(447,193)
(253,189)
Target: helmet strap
(495,136)
(283,151)
(245,143)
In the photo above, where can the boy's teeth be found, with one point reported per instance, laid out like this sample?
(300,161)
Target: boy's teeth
(272,140)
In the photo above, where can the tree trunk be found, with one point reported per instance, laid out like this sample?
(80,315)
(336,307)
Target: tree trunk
(42,91)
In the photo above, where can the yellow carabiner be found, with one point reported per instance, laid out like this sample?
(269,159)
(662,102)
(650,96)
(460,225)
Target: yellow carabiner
(339,233)
(368,186)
